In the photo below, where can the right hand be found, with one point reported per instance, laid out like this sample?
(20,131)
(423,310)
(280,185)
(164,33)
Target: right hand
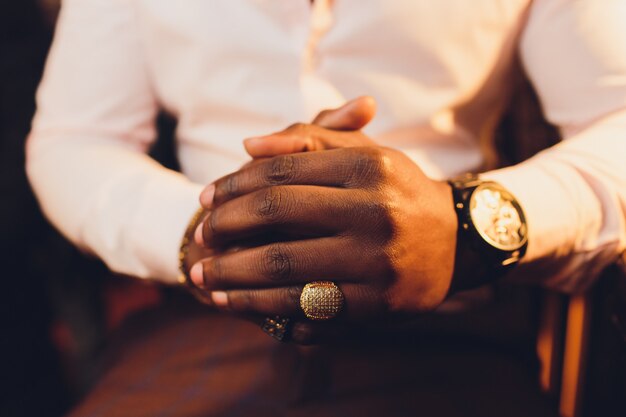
(349,118)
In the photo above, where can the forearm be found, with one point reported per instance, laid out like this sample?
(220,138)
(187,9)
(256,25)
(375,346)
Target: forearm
(113,201)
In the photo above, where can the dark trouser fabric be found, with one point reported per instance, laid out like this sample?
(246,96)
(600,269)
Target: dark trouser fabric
(182,360)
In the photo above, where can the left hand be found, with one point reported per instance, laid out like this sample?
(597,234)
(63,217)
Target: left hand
(365,217)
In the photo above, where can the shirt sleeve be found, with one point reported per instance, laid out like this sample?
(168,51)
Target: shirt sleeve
(86,154)
(574,194)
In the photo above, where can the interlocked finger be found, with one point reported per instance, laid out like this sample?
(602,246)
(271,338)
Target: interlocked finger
(332,168)
(292,210)
(289,263)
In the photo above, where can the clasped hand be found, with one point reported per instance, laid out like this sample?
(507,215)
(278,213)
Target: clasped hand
(322,201)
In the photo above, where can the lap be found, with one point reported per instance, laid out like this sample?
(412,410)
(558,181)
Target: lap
(179,360)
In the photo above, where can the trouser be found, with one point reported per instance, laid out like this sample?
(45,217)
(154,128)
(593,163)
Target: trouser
(181,359)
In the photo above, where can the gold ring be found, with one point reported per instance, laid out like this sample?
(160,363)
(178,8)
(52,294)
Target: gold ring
(321,300)
(277,327)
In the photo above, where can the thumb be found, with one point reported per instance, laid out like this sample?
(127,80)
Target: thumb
(353,115)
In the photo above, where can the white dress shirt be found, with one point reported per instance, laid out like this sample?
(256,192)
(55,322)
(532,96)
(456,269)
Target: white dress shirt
(230,69)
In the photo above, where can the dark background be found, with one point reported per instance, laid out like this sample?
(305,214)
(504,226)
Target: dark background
(31,376)
(51,304)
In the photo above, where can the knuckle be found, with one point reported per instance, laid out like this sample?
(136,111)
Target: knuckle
(270,204)
(279,263)
(324,113)
(381,212)
(281,169)
(385,160)
(373,154)
(390,261)
(242,301)
(389,264)
(227,188)
(367,166)
(379,266)
(297,127)
(374,218)
(293,295)
(213,273)
(211,227)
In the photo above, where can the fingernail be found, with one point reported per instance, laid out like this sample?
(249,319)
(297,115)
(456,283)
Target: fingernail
(195,273)
(254,140)
(206,196)
(220,298)
(197,235)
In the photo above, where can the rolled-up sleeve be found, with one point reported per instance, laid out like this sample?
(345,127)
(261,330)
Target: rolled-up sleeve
(574,194)
(86,154)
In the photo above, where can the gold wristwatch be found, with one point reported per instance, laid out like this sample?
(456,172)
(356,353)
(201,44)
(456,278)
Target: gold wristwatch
(492,227)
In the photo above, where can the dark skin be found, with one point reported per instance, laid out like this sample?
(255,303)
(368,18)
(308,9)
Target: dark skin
(345,210)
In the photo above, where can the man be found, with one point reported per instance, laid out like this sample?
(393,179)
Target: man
(365,227)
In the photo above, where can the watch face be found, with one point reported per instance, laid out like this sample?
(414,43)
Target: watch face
(497,217)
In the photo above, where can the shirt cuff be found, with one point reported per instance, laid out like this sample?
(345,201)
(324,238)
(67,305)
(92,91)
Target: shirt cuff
(160,222)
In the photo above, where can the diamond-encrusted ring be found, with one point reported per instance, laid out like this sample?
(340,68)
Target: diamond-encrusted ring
(321,300)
